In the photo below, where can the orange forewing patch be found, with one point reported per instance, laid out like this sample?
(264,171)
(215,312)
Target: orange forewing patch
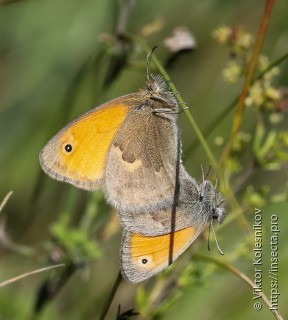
(90,136)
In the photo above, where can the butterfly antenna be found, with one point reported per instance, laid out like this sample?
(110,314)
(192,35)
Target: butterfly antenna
(149,58)
(208,172)
(221,202)
(211,226)
(202,171)
(216,189)
(217,184)
(209,232)
(202,186)
(204,177)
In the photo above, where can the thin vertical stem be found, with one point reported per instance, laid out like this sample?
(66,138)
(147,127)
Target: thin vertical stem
(240,107)
(111,296)
(187,112)
(226,187)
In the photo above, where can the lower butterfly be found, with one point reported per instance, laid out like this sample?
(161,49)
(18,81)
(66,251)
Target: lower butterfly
(151,242)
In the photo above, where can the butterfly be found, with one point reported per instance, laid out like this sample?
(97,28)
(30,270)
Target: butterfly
(151,242)
(127,146)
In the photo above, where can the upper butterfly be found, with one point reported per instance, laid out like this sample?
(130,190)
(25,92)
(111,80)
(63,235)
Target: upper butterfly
(128,146)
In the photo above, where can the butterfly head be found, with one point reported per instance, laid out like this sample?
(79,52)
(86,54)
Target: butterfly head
(157,92)
(212,201)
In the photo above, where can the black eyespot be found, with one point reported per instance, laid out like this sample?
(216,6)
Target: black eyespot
(144,261)
(68,148)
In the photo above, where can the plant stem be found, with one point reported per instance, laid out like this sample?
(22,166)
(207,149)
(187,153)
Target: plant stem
(182,103)
(226,187)
(111,296)
(242,276)
(219,118)
(240,107)
(4,201)
(28,274)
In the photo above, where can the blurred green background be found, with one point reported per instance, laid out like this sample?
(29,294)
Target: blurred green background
(54,56)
